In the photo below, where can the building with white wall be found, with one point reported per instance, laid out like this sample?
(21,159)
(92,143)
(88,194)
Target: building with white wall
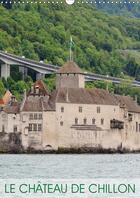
(73,117)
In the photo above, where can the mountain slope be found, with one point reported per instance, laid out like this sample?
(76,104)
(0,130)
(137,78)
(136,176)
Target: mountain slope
(129,8)
(43,31)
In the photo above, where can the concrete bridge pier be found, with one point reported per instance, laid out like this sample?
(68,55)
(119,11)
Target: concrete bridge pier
(40,76)
(5,71)
(24,71)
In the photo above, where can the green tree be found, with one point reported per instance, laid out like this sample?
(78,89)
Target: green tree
(2,89)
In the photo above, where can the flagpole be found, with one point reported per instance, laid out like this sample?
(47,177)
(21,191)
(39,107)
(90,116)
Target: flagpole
(70,53)
(70,49)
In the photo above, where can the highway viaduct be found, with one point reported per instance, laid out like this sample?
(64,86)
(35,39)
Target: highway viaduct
(7,59)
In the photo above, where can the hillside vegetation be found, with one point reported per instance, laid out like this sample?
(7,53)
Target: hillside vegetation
(129,8)
(42,32)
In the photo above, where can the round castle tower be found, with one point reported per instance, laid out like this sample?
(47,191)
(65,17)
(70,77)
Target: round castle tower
(70,76)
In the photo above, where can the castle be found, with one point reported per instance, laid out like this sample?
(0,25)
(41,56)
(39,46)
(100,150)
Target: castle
(72,116)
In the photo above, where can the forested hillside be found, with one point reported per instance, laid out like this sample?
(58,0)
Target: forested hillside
(129,8)
(42,32)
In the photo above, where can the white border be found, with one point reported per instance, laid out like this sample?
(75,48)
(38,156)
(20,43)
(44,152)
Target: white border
(76,1)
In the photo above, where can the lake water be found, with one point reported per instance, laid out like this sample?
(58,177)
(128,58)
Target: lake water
(70,166)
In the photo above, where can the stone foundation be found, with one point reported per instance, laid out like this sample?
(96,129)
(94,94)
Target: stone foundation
(10,143)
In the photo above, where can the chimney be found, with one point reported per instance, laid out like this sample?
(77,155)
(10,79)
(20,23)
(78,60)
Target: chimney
(24,96)
(136,98)
(13,98)
(32,89)
(37,89)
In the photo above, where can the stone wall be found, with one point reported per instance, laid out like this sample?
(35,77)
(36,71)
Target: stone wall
(10,143)
(70,81)
(96,135)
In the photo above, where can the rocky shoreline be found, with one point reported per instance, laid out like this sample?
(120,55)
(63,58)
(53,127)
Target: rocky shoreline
(14,150)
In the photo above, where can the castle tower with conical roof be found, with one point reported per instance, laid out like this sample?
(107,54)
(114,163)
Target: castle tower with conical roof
(70,76)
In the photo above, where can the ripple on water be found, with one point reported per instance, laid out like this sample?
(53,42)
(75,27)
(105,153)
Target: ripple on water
(70,166)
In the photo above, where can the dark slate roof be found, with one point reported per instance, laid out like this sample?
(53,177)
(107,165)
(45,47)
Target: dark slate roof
(12,108)
(70,67)
(128,102)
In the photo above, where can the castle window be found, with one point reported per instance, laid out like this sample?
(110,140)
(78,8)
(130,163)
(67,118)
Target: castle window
(61,123)
(14,117)
(35,116)
(1,108)
(39,127)
(80,109)
(15,129)
(125,114)
(40,116)
(24,118)
(31,116)
(93,121)
(76,120)
(4,115)
(30,127)
(85,121)
(136,126)
(62,109)
(3,128)
(98,110)
(116,124)
(34,127)
(130,117)
(102,121)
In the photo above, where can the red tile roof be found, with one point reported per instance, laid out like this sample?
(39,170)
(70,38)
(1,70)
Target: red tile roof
(7,97)
(1,102)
